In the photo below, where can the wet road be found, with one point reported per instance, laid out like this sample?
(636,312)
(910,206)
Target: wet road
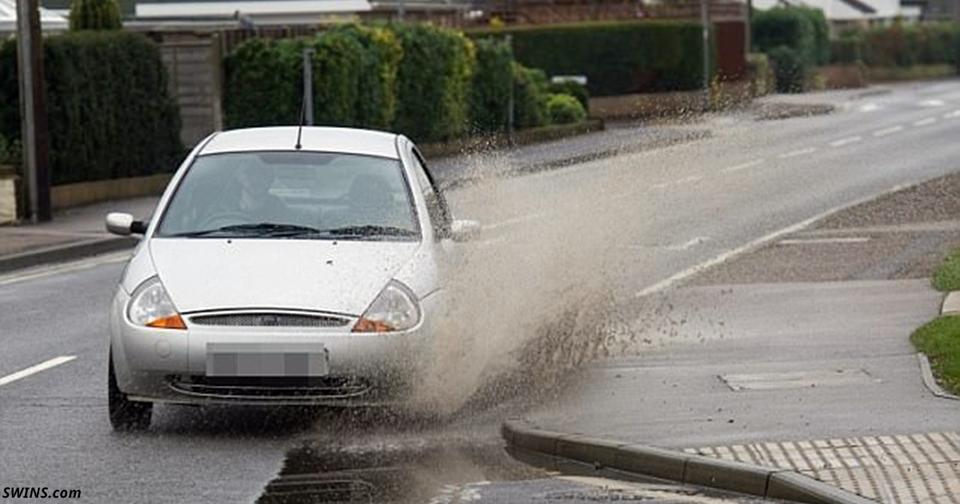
(628,224)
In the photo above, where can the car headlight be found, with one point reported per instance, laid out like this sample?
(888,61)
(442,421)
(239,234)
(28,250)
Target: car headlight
(150,306)
(394,309)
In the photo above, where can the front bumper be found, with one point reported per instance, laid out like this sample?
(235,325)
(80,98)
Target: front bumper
(164,365)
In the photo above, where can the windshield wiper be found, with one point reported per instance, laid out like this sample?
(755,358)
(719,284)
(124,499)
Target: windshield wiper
(260,229)
(369,230)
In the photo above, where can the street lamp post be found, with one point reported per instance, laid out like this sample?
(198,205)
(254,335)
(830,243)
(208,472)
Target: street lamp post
(33,112)
(308,85)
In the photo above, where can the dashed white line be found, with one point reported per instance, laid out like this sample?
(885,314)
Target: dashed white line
(800,152)
(742,166)
(689,180)
(925,122)
(820,241)
(23,373)
(931,103)
(952,115)
(688,244)
(887,131)
(869,107)
(845,141)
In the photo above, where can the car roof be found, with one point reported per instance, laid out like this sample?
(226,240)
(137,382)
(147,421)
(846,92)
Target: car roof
(314,138)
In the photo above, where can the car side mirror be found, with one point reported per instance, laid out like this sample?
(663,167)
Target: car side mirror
(123,224)
(464,230)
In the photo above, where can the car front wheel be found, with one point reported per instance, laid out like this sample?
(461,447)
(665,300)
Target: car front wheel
(125,415)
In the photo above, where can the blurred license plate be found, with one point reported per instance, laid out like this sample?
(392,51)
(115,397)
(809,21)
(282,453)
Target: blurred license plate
(254,359)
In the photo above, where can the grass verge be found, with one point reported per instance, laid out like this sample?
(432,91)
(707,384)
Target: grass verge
(947,276)
(940,340)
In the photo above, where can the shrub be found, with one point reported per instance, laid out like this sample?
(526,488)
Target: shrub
(789,27)
(262,84)
(821,34)
(490,90)
(433,82)
(903,46)
(790,69)
(94,15)
(616,57)
(108,107)
(564,109)
(529,97)
(376,99)
(574,89)
(763,79)
(846,50)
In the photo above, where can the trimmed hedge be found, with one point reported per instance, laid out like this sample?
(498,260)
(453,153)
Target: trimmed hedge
(789,68)
(108,108)
(433,82)
(490,91)
(529,97)
(904,46)
(95,15)
(617,57)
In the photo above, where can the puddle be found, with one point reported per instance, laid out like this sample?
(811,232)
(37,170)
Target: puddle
(391,473)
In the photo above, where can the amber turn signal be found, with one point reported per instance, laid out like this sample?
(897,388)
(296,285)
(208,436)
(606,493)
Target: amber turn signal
(367,326)
(171,322)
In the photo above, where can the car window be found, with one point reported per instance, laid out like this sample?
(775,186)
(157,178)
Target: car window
(436,203)
(281,192)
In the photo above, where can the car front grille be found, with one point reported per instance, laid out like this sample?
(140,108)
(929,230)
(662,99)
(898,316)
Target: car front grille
(271,388)
(269,319)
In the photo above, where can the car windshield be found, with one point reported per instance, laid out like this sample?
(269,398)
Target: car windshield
(301,195)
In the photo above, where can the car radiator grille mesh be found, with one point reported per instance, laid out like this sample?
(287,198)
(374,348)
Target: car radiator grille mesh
(269,320)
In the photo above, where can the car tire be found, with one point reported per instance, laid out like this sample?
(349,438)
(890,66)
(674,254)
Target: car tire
(125,415)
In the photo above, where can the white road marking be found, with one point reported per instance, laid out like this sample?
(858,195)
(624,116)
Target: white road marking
(925,122)
(931,103)
(82,264)
(688,244)
(689,180)
(869,107)
(887,131)
(515,220)
(818,241)
(952,115)
(23,373)
(800,152)
(743,166)
(845,141)
(491,242)
(753,244)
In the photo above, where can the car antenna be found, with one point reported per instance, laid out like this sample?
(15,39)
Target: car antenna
(298,145)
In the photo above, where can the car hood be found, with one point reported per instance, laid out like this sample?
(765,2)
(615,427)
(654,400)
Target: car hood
(341,277)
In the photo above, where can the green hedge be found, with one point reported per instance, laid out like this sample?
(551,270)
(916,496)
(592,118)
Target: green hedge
(530,89)
(904,46)
(490,91)
(616,57)
(433,82)
(108,108)
(564,109)
(789,69)
(802,29)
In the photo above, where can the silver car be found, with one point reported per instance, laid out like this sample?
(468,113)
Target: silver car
(282,267)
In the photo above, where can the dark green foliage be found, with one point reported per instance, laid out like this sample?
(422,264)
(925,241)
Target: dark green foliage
(821,34)
(490,90)
(108,108)
(376,100)
(573,89)
(529,97)
(262,84)
(846,50)
(564,109)
(789,27)
(616,57)
(790,69)
(433,82)
(94,15)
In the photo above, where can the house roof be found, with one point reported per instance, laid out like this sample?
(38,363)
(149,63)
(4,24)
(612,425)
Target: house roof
(49,20)
(236,8)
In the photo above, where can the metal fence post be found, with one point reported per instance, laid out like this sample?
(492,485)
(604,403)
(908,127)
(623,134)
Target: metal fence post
(308,53)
